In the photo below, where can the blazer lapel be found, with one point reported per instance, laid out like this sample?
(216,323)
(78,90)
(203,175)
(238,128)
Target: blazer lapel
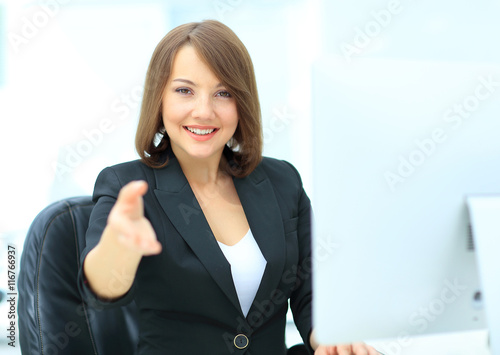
(180,205)
(262,210)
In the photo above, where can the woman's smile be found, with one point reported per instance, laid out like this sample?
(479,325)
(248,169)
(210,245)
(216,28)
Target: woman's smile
(201,133)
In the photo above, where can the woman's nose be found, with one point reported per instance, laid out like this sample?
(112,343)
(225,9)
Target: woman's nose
(203,108)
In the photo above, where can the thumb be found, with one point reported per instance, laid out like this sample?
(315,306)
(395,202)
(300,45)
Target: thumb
(130,198)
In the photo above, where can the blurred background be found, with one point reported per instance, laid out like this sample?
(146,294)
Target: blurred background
(72,75)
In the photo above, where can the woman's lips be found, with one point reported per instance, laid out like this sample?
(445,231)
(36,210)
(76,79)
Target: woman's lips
(201,133)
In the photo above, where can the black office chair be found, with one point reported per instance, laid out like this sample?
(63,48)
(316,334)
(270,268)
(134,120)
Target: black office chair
(53,319)
(52,316)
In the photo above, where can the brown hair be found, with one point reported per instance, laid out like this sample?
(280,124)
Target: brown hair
(220,48)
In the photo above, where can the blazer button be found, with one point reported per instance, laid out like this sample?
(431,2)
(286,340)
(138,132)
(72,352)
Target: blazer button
(241,341)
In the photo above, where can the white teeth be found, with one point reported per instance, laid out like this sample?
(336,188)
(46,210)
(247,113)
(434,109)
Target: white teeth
(201,132)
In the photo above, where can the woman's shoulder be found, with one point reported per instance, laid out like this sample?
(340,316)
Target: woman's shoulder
(123,173)
(133,165)
(280,171)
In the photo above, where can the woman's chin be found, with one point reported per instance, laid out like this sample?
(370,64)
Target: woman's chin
(201,153)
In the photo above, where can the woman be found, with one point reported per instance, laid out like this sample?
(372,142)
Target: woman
(208,237)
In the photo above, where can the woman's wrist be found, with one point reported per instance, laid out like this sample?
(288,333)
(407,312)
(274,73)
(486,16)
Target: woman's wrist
(312,340)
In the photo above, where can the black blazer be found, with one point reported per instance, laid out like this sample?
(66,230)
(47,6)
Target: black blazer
(186,297)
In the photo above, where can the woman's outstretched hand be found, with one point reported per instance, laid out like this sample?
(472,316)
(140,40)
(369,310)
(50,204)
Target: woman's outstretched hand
(351,349)
(345,349)
(126,220)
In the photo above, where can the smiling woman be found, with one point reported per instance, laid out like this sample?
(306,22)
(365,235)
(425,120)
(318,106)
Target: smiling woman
(214,48)
(215,240)
(199,114)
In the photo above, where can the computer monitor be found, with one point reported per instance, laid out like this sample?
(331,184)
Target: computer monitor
(398,147)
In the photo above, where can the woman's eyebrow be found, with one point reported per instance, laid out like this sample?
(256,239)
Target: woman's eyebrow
(185,81)
(192,83)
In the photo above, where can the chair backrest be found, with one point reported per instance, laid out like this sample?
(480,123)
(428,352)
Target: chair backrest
(53,318)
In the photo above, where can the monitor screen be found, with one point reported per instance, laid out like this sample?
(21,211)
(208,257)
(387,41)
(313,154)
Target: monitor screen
(398,146)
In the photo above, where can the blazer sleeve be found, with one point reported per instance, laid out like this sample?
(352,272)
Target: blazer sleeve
(106,191)
(301,297)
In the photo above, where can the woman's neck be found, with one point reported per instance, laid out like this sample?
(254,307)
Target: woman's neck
(201,172)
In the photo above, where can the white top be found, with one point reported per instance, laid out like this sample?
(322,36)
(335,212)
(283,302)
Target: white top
(247,267)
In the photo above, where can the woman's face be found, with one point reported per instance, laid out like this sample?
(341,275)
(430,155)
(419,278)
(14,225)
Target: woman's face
(199,114)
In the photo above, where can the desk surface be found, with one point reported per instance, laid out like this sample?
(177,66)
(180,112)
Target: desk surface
(464,343)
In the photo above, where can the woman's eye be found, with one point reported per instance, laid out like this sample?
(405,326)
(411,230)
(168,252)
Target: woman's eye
(223,94)
(183,91)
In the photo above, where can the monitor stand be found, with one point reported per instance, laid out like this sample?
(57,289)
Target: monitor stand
(484,214)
